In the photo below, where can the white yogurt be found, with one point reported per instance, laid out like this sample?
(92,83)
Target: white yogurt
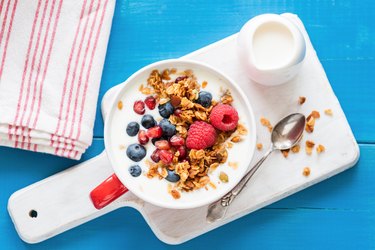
(155,190)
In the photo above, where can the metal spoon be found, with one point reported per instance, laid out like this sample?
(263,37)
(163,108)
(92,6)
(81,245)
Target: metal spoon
(285,135)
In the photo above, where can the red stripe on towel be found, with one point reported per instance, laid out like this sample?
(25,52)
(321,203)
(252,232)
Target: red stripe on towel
(19,102)
(67,114)
(1,6)
(7,37)
(39,69)
(88,72)
(4,22)
(29,85)
(67,76)
(47,62)
(92,28)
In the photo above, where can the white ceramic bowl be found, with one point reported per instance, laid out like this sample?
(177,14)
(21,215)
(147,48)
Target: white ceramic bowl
(276,74)
(155,190)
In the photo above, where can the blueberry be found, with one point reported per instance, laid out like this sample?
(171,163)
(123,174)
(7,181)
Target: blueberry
(148,121)
(136,152)
(172,176)
(204,99)
(166,109)
(168,128)
(135,170)
(132,129)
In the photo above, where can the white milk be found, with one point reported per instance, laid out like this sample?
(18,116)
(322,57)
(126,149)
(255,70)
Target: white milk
(272,45)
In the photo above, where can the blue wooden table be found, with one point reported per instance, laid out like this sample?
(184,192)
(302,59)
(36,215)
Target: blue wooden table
(336,214)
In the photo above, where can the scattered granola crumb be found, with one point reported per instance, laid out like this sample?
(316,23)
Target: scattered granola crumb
(229,145)
(285,152)
(169,187)
(265,122)
(241,129)
(310,123)
(122,147)
(328,112)
(315,114)
(296,148)
(233,165)
(306,171)
(320,149)
(309,147)
(173,71)
(301,100)
(204,84)
(235,139)
(223,177)
(212,185)
(120,105)
(308,150)
(259,146)
(175,194)
(310,144)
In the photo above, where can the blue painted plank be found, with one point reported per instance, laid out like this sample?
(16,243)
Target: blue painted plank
(353,83)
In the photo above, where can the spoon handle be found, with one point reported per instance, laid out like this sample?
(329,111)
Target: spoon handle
(217,210)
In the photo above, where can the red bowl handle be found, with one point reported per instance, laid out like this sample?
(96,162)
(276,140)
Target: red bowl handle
(108,191)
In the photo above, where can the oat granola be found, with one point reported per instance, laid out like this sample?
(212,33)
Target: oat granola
(182,93)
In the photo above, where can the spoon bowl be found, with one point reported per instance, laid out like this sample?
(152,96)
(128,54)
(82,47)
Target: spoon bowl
(287,133)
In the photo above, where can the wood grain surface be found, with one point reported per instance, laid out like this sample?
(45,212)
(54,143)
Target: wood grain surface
(338,213)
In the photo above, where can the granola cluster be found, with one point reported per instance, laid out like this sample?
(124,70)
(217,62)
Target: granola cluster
(182,92)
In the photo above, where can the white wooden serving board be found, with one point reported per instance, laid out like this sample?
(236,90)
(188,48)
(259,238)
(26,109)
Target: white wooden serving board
(61,206)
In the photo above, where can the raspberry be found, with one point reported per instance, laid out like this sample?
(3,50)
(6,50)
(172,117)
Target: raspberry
(139,107)
(200,135)
(224,117)
(150,102)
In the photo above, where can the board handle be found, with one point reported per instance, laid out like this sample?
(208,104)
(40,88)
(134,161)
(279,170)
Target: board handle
(60,202)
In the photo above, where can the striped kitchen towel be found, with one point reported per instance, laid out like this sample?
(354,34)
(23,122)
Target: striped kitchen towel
(51,59)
